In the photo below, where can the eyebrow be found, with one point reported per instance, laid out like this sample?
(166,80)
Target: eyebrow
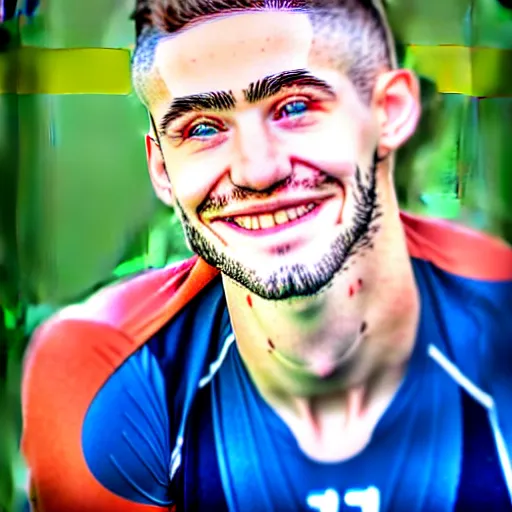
(222,101)
(274,84)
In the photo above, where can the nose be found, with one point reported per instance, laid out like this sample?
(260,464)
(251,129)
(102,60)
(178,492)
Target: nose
(260,162)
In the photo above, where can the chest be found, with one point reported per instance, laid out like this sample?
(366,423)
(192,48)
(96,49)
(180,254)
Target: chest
(432,450)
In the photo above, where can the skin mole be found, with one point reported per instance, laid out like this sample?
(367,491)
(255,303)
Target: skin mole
(353,289)
(283,250)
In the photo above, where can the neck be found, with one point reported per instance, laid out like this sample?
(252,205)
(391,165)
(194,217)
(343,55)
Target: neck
(345,349)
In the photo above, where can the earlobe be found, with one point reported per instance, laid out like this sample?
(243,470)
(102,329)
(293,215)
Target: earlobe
(398,107)
(157,171)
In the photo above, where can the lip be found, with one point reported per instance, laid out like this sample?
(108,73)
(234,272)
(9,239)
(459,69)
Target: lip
(276,229)
(268,207)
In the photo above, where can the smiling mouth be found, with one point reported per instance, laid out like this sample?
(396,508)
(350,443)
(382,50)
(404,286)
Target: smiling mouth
(271,220)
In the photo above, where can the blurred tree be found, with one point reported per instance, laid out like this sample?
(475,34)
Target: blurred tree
(12,305)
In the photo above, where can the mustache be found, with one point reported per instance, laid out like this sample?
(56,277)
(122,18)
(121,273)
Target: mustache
(213,204)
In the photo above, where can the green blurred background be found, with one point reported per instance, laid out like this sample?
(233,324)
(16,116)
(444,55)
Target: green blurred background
(76,206)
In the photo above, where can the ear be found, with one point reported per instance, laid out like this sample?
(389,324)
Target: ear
(157,171)
(397,100)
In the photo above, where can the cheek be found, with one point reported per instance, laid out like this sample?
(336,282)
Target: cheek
(332,146)
(193,179)
(368,136)
(365,129)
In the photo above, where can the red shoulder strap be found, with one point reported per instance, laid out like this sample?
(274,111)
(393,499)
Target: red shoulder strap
(457,249)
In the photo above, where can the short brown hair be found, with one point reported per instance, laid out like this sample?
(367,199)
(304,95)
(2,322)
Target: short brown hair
(362,21)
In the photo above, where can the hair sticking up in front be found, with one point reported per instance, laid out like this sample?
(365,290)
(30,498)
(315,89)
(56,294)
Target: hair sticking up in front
(355,31)
(172,15)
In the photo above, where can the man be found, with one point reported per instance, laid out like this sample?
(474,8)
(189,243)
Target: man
(324,351)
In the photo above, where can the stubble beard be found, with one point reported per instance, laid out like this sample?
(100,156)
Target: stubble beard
(302,280)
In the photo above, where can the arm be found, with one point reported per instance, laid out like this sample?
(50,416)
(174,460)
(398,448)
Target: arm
(73,401)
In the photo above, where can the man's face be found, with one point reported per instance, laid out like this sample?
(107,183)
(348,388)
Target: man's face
(269,150)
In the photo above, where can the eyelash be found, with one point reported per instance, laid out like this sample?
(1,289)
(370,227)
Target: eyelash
(308,100)
(182,134)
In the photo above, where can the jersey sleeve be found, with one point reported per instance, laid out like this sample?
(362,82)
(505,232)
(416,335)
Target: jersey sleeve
(471,278)
(95,430)
(496,368)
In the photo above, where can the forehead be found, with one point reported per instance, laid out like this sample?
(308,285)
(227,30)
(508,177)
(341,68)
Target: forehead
(230,52)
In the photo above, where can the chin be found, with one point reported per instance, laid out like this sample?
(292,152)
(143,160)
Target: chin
(304,266)
(280,276)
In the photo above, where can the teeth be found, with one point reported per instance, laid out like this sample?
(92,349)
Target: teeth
(269,220)
(292,214)
(280,217)
(244,222)
(302,210)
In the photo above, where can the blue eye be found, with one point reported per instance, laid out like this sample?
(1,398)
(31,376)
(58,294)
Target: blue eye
(202,130)
(293,109)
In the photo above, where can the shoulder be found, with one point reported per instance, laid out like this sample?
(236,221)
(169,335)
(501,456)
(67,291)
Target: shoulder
(103,331)
(73,355)
(133,309)
(128,304)
(466,276)
(458,250)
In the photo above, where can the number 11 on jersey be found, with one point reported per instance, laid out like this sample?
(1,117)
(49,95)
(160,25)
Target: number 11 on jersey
(367,500)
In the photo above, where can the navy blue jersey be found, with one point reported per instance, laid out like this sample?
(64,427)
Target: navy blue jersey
(182,423)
